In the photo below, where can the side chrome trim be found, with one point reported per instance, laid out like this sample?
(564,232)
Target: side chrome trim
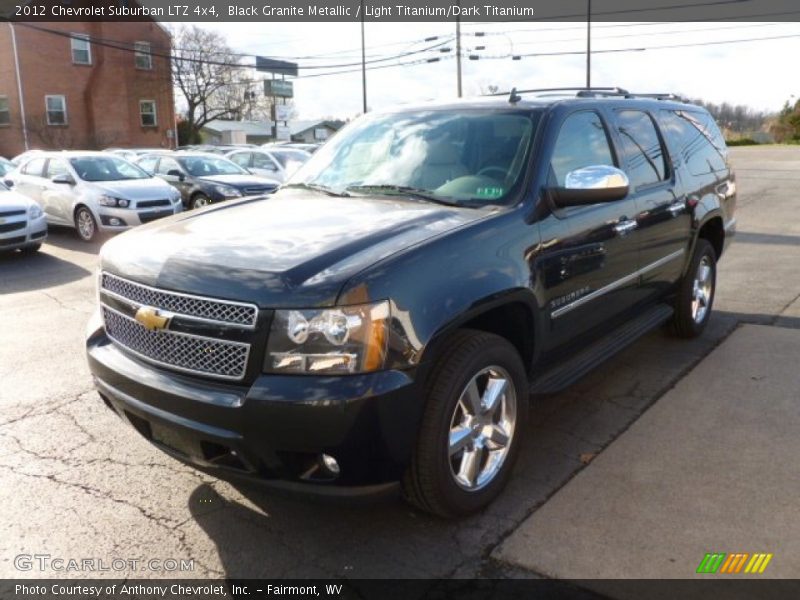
(616,284)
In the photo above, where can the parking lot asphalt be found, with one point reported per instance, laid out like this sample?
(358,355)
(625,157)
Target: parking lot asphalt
(711,467)
(76,483)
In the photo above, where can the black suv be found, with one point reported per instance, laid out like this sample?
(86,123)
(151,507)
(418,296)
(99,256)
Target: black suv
(386,316)
(203,178)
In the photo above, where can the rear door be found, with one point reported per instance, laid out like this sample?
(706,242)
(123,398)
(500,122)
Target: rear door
(57,198)
(590,271)
(663,219)
(30,181)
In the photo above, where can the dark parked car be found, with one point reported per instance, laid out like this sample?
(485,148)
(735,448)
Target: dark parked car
(386,316)
(205,178)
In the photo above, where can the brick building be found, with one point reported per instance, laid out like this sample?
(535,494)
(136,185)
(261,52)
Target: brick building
(68,88)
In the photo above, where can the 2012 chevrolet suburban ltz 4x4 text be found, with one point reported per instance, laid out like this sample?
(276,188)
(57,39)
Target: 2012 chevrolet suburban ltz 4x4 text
(386,315)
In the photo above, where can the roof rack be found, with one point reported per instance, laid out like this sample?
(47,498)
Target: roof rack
(515,95)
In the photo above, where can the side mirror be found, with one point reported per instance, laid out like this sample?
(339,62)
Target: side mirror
(591,185)
(8,183)
(64,178)
(176,173)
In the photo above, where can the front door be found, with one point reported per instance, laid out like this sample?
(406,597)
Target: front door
(589,270)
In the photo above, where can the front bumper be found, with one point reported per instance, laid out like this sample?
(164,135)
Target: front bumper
(31,233)
(110,219)
(272,431)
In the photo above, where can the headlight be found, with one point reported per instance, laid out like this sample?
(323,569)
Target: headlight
(342,340)
(227,191)
(114,202)
(34,212)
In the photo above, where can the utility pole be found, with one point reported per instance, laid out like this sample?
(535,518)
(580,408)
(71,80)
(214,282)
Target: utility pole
(588,43)
(458,49)
(363,61)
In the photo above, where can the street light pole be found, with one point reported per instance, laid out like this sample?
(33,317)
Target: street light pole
(588,43)
(363,61)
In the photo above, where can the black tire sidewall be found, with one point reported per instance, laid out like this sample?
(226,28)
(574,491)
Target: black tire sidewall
(444,395)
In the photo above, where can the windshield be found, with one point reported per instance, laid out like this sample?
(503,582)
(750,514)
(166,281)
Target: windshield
(470,157)
(106,168)
(205,166)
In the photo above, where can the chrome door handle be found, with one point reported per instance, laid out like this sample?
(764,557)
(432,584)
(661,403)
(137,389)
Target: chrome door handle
(676,208)
(625,227)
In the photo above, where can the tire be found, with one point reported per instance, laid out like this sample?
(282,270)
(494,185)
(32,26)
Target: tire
(31,249)
(695,298)
(199,201)
(439,480)
(85,224)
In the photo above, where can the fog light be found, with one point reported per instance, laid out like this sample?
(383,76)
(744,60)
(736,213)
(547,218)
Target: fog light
(115,222)
(330,464)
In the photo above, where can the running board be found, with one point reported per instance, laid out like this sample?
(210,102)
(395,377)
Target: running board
(565,374)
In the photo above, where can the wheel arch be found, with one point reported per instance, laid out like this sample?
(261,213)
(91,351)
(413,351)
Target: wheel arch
(513,316)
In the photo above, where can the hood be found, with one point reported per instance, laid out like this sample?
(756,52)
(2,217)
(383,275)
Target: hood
(293,249)
(135,189)
(13,201)
(240,181)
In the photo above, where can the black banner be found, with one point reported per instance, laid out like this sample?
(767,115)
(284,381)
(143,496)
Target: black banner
(398,589)
(399,10)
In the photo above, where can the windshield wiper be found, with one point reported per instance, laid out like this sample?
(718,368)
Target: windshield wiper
(318,188)
(404,190)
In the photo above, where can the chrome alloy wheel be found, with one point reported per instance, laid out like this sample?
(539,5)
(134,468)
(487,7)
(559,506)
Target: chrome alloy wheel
(702,288)
(85,224)
(201,201)
(482,428)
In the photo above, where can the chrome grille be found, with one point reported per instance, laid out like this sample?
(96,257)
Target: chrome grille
(194,354)
(191,306)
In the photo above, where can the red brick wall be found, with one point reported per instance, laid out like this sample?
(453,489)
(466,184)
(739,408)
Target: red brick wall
(102,99)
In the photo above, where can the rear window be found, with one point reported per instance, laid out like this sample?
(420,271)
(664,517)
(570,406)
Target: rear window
(697,140)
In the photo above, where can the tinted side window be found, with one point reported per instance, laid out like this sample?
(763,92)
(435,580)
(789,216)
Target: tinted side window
(242,159)
(148,164)
(35,167)
(646,162)
(168,164)
(55,168)
(262,161)
(697,140)
(582,142)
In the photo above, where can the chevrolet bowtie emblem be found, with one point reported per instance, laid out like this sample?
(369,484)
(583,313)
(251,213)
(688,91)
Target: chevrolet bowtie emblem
(149,317)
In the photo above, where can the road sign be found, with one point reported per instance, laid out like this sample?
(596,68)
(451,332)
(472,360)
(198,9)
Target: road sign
(281,67)
(282,133)
(279,88)
(281,112)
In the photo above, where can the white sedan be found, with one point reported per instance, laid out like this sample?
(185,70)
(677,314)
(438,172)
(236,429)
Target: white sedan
(93,191)
(23,225)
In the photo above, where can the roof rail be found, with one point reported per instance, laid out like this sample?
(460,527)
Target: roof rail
(515,95)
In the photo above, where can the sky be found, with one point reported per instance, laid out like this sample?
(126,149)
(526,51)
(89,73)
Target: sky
(760,74)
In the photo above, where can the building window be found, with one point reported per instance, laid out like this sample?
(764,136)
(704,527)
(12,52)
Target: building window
(56,110)
(147,113)
(142,55)
(81,49)
(5,113)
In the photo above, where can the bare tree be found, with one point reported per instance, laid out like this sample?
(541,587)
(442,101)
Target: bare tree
(209,76)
